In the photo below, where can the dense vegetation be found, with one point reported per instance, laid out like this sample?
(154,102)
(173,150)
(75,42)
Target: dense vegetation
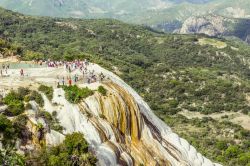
(73,151)
(17,102)
(171,72)
(74,94)
(214,139)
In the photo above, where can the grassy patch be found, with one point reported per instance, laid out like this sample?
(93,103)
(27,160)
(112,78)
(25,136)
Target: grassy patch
(212,42)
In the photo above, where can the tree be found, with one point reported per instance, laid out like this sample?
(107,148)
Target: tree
(232,151)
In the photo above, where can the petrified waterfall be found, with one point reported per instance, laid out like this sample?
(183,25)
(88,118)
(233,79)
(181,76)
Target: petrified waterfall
(121,128)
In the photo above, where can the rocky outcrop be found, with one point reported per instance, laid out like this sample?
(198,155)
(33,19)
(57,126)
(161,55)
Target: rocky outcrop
(210,25)
(217,26)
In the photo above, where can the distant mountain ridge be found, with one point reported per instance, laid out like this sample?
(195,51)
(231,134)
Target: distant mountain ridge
(150,12)
(82,8)
(211,17)
(214,25)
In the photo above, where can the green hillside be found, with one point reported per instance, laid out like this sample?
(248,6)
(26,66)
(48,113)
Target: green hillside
(171,72)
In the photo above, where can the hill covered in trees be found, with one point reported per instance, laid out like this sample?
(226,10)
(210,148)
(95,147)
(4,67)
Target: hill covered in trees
(172,72)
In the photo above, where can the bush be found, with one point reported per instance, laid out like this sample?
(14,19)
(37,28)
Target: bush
(22,92)
(74,94)
(232,151)
(51,121)
(37,97)
(245,111)
(10,97)
(6,127)
(48,91)
(102,90)
(15,108)
(244,158)
(21,129)
(73,145)
(222,145)
(15,104)
(46,116)
(173,103)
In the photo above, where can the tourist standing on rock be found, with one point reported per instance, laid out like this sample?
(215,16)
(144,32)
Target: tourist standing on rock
(76,78)
(58,82)
(21,72)
(63,81)
(101,76)
(70,82)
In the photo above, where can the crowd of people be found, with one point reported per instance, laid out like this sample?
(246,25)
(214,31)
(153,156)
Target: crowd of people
(86,76)
(83,73)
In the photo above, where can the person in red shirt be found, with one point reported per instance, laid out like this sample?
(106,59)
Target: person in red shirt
(70,82)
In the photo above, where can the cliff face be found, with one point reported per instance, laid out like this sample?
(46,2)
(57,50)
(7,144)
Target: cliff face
(120,127)
(214,25)
(210,25)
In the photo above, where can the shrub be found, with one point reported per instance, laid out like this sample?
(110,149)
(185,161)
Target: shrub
(102,90)
(244,158)
(232,151)
(37,97)
(74,94)
(73,145)
(48,91)
(15,108)
(6,127)
(10,97)
(46,116)
(51,121)
(15,104)
(245,111)
(222,145)
(21,130)
(22,92)
(173,103)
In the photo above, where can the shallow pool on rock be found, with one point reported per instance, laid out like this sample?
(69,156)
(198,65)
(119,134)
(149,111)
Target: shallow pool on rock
(22,65)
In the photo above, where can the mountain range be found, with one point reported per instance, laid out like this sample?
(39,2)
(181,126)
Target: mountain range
(164,15)
(158,11)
